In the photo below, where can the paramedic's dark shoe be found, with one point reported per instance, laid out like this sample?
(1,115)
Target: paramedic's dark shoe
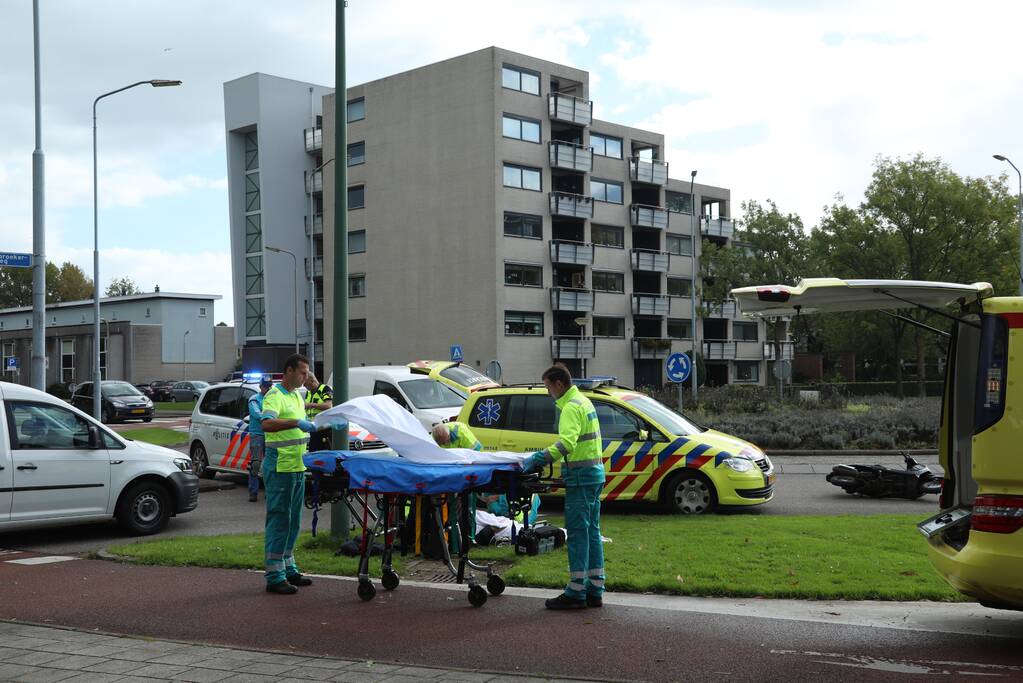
(299,580)
(565,602)
(594,601)
(281,588)
(253,497)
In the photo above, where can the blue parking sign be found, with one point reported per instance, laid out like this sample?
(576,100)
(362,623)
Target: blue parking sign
(456,353)
(12,363)
(678,367)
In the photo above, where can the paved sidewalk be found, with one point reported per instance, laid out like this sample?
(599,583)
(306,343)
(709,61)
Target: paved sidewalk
(822,464)
(41,654)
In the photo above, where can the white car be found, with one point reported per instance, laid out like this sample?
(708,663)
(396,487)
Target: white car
(219,434)
(59,466)
(429,400)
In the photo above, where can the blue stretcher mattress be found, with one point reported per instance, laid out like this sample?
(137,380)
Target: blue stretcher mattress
(389,474)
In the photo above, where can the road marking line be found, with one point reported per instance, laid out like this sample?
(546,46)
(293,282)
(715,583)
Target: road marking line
(46,559)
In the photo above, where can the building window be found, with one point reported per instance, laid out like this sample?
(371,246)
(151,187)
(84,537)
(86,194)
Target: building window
(679,245)
(746,332)
(357,241)
(517,78)
(680,286)
(103,358)
(255,317)
(680,328)
(357,330)
(606,191)
(520,128)
(253,234)
(520,324)
(8,352)
(251,151)
(608,282)
(147,312)
(252,191)
(679,202)
(356,286)
(608,236)
(356,109)
(609,327)
(202,311)
(606,145)
(522,177)
(747,371)
(521,275)
(254,274)
(356,154)
(523,225)
(67,360)
(356,197)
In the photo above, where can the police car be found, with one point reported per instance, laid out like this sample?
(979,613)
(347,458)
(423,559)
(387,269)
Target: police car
(651,452)
(219,432)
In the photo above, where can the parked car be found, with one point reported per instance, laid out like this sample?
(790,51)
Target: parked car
(187,391)
(430,400)
(58,466)
(463,378)
(118,401)
(161,389)
(146,389)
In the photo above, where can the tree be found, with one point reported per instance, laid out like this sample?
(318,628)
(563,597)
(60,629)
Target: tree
(221,324)
(122,286)
(64,283)
(69,284)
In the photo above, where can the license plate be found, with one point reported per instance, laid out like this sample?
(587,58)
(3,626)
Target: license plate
(944,520)
(138,411)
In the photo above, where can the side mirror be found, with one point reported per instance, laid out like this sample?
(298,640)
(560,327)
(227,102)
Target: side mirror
(95,439)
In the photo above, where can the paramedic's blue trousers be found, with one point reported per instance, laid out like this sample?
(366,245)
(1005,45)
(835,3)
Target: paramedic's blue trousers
(585,549)
(257,443)
(285,497)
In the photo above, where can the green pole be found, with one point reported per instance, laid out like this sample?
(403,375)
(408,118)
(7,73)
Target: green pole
(340,520)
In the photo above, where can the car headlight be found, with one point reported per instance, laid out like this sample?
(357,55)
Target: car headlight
(183,464)
(739,464)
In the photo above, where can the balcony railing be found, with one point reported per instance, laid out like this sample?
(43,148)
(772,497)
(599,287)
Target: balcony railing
(650,304)
(570,109)
(650,171)
(719,350)
(650,261)
(576,253)
(314,182)
(317,228)
(317,266)
(725,309)
(650,347)
(787,351)
(717,227)
(563,299)
(570,156)
(571,205)
(644,216)
(573,347)
(313,139)
(317,309)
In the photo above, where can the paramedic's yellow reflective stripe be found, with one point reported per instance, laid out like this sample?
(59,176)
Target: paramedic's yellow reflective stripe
(287,442)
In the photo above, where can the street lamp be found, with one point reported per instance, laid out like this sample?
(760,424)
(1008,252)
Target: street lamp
(1019,212)
(312,273)
(692,286)
(184,355)
(294,261)
(156,83)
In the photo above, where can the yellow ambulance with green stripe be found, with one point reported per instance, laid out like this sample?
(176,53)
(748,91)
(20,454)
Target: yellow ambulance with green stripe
(651,452)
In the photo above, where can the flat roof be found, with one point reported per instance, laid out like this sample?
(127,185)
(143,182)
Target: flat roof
(117,299)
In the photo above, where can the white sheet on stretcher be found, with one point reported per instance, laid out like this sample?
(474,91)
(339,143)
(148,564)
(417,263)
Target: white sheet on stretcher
(397,428)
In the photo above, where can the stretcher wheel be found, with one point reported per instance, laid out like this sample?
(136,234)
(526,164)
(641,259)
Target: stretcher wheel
(495,584)
(477,596)
(366,590)
(390,580)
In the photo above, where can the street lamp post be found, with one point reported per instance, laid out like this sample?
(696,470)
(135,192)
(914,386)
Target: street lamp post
(156,83)
(1019,213)
(294,261)
(184,354)
(692,286)
(312,274)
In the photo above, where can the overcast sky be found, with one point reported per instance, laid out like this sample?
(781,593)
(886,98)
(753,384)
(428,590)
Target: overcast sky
(782,100)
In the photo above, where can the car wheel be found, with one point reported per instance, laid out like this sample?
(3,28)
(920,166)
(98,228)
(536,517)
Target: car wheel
(688,493)
(108,418)
(173,398)
(144,508)
(195,397)
(201,462)
(147,419)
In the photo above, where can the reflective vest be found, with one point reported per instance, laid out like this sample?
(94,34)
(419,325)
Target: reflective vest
(578,441)
(290,444)
(322,394)
(460,436)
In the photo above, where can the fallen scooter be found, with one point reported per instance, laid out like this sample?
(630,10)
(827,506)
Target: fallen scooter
(878,481)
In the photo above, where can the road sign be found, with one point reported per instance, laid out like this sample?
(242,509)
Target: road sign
(494,370)
(678,367)
(12,364)
(456,353)
(782,370)
(15,260)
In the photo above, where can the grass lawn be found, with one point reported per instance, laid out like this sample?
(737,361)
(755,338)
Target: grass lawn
(878,557)
(155,435)
(173,405)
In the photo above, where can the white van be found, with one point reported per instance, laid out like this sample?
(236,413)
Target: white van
(59,466)
(430,401)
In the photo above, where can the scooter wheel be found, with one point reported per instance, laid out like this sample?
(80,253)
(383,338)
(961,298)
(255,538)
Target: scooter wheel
(367,591)
(390,580)
(477,596)
(495,585)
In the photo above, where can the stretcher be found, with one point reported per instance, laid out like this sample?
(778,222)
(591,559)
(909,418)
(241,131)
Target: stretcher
(354,478)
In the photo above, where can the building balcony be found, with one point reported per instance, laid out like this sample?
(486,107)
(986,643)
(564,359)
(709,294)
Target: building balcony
(650,347)
(788,350)
(314,182)
(569,109)
(573,347)
(571,205)
(717,227)
(719,350)
(650,304)
(317,227)
(563,299)
(570,157)
(318,310)
(650,171)
(575,253)
(725,309)
(644,216)
(313,140)
(650,261)
(317,267)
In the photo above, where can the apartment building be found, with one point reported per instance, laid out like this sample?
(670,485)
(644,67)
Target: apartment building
(488,209)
